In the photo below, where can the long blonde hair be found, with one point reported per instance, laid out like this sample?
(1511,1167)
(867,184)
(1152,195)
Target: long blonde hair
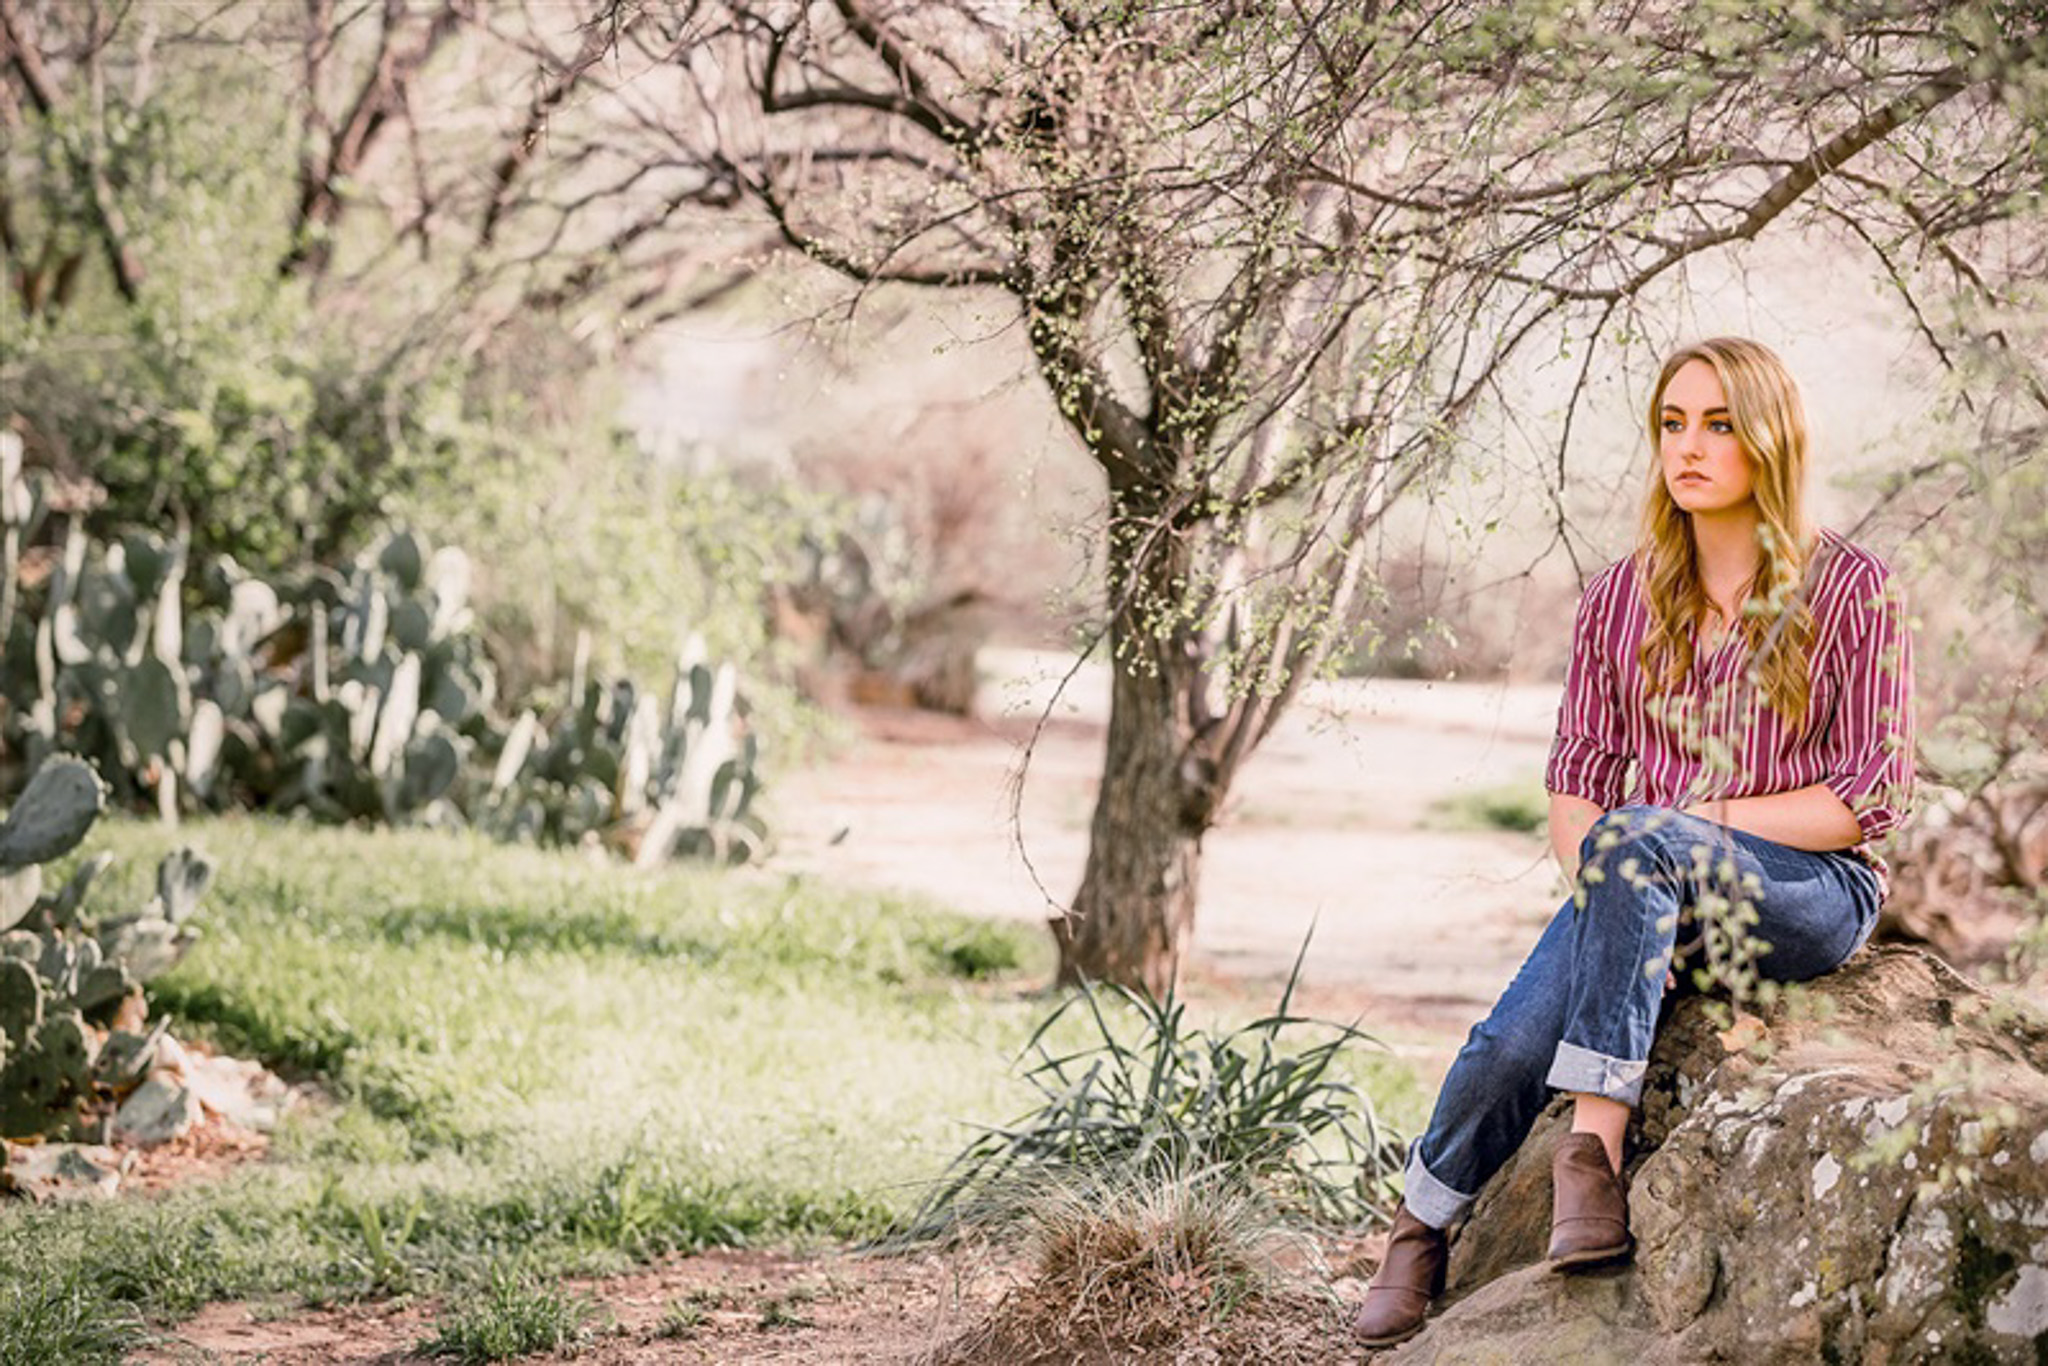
(1776,625)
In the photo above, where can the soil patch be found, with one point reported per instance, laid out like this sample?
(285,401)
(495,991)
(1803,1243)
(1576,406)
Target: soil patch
(742,1306)
(752,1306)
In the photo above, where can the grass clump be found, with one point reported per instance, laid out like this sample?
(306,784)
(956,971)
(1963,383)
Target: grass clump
(785,1311)
(1520,808)
(513,1316)
(1280,1121)
(1190,1264)
(977,952)
(682,1318)
(63,1322)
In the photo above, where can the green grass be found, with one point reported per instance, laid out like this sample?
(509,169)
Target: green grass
(514,1316)
(536,1060)
(1519,807)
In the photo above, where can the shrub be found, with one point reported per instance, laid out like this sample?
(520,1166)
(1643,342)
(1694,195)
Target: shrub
(1273,1121)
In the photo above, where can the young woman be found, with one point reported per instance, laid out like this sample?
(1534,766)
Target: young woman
(1736,731)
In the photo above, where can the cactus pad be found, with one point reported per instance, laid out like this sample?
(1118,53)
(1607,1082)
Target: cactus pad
(53,814)
(181,879)
(19,890)
(151,708)
(400,557)
(21,1002)
(63,908)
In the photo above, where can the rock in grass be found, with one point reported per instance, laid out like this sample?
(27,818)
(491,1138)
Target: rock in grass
(1869,1184)
(55,1173)
(240,1092)
(159,1110)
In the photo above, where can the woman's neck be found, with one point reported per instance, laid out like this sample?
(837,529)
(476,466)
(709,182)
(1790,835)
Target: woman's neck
(1726,551)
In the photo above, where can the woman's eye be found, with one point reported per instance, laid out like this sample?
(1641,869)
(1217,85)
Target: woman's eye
(1672,424)
(1721,424)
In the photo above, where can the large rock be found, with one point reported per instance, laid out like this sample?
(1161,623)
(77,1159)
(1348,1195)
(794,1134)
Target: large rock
(1861,1178)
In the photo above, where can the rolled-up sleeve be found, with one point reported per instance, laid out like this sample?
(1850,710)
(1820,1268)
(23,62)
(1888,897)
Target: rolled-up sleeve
(1590,756)
(1869,746)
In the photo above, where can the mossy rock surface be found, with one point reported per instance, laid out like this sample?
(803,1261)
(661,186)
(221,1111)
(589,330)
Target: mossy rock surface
(1862,1179)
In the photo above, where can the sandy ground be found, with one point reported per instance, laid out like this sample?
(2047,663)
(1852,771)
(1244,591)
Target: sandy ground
(1329,826)
(1417,929)
(728,1305)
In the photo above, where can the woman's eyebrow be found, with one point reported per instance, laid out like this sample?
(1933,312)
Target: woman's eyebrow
(1674,408)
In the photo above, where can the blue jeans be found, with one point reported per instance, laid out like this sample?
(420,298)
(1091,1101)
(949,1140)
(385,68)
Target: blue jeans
(1582,1012)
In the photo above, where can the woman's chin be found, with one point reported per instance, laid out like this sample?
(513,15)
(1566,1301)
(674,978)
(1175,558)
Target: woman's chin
(1704,502)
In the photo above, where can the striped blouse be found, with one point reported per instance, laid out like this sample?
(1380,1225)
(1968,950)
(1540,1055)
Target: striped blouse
(1718,737)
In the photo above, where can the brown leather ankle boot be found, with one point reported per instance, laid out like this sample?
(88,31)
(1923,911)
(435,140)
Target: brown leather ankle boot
(1410,1276)
(1589,1205)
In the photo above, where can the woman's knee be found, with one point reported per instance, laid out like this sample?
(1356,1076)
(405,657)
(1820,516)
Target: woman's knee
(1509,1054)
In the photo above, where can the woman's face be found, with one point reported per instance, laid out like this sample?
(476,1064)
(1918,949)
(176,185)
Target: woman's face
(1704,467)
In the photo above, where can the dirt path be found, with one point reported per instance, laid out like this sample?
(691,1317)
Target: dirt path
(725,1306)
(1330,825)
(733,1307)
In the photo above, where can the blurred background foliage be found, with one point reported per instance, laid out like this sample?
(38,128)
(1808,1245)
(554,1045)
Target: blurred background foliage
(284,416)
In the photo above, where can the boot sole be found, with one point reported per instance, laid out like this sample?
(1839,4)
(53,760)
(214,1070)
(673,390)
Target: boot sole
(1389,1340)
(1593,1256)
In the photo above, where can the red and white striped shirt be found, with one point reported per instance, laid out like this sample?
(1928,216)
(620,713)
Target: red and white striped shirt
(1718,736)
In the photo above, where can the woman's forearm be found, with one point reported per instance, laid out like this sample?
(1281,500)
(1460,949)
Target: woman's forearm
(1811,818)
(1570,818)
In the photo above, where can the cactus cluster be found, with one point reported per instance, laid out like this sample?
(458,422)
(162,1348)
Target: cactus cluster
(363,694)
(101,671)
(655,777)
(73,1032)
(391,692)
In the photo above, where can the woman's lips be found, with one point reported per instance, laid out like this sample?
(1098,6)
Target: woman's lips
(1689,478)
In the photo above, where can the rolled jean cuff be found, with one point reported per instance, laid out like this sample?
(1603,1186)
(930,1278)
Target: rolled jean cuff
(1427,1198)
(1582,1070)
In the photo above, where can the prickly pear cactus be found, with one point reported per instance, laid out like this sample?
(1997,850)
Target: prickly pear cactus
(64,977)
(146,943)
(361,694)
(21,1002)
(99,673)
(52,814)
(20,889)
(47,1082)
(61,910)
(617,765)
(181,879)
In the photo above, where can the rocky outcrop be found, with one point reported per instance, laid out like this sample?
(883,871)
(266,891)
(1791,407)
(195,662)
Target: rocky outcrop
(1967,868)
(1858,1176)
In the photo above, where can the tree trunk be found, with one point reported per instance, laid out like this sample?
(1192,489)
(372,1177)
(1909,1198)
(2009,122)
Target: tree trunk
(1134,913)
